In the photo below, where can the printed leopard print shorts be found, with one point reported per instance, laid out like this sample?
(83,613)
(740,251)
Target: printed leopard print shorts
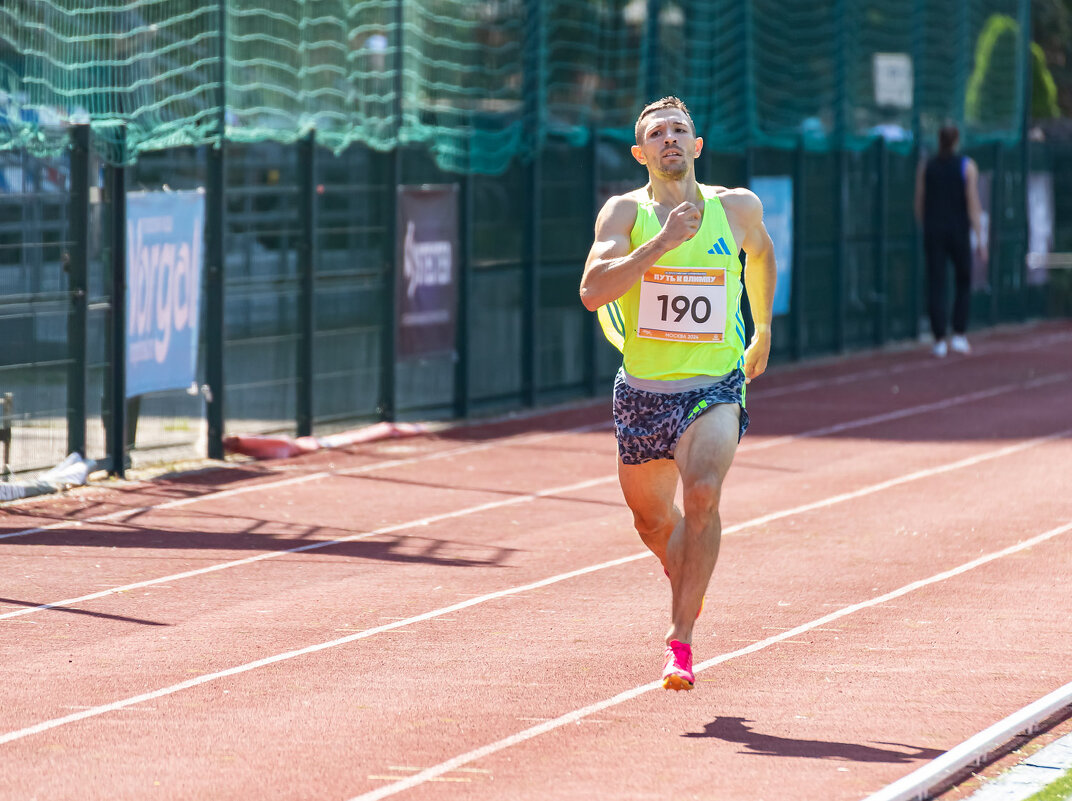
(648,425)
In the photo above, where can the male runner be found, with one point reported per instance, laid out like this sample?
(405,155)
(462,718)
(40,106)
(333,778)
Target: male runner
(665,275)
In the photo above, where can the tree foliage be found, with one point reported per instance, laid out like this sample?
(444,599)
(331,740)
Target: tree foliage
(991,98)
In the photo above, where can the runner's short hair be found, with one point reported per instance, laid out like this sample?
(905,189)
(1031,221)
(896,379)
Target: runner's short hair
(664,102)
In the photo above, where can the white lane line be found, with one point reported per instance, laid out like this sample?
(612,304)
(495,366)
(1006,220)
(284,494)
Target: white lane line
(424,521)
(926,363)
(367,468)
(922,408)
(576,715)
(100,710)
(746,448)
(801,386)
(789,389)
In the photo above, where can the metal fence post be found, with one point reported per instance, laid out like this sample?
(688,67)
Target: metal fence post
(392,263)
(392,247)
(117,428)
(77,267)
(307,259)
(881,296)
(533,189)
(997,221)
(465,269)
(530,282)
(590,329)
(796,287)
(746,303)
(7,411)
(842,116)
(651,50)
(841,249)
(1027,84)
(916,285)
(215,227)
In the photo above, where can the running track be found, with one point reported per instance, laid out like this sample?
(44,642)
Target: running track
(471,616)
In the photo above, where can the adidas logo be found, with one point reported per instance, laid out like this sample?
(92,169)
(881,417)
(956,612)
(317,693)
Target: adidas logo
(720,248)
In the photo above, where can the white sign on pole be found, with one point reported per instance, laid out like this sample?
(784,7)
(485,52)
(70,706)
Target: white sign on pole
(893,80)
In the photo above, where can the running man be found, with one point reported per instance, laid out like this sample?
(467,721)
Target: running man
(665,276)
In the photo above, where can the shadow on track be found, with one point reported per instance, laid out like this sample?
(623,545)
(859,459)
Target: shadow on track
(736,730)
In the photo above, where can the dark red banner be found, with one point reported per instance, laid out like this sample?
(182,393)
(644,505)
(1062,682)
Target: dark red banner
(426,286)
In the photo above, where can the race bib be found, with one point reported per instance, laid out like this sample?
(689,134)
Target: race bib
(683,304)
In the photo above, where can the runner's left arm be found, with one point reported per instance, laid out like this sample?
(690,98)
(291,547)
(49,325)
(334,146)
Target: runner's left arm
(759,278)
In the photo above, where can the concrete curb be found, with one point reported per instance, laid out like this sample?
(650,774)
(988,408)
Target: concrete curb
(917,786)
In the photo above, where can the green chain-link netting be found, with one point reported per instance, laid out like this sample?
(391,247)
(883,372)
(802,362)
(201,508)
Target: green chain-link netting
(485,81)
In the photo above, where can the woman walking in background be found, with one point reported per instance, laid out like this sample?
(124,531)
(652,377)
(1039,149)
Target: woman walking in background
(947,206)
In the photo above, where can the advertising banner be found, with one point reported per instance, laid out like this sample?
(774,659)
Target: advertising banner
(1040,225)
(776,194)
(426,286)
(164,231)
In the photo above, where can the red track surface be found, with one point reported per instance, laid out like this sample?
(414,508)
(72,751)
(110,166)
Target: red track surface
(330,626)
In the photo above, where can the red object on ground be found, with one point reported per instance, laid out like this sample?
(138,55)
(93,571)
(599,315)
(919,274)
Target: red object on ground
(261,447)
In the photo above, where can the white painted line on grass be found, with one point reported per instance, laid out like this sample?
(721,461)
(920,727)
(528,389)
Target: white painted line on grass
(973,751)
(100,710)
(431,773)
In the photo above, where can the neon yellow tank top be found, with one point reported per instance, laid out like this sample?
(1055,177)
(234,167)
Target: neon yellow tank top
(683,319)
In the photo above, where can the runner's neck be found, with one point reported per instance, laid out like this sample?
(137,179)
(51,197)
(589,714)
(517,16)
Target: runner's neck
(670,194)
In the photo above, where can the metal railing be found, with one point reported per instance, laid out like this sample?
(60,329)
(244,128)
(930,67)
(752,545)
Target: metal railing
(300,270)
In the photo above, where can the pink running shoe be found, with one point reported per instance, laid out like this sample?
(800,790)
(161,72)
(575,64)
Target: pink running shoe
(702,600)
(677,674)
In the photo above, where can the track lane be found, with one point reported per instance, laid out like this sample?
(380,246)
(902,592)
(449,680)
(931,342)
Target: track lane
(1043,343)
(663,590)
(413,714)
(225,609)
(248,531)
(820,448)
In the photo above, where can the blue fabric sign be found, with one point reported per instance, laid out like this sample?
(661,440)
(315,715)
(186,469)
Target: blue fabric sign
(776,193)
(163,289)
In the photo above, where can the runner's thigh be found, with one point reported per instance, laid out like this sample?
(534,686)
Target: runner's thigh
(708,445)
(649,488)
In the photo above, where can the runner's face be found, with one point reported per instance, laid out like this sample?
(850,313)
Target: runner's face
(667,145)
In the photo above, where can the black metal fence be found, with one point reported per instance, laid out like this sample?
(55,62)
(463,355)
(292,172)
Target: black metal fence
(298,319)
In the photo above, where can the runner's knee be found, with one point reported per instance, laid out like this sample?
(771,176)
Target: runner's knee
(651,522)
(702,496)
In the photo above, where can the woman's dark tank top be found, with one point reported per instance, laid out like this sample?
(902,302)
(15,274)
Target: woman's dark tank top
(945,205)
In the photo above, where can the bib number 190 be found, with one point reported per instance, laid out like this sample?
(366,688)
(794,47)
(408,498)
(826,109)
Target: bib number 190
(682,304)
(699,307)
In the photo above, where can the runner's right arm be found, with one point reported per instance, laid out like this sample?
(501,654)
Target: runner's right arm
(612,268)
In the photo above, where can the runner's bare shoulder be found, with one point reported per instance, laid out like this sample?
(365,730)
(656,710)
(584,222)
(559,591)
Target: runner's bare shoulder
(737,196)
(620,211)
(741,203)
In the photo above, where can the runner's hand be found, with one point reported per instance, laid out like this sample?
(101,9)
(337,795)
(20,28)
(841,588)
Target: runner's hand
(755,357)
(681,225)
